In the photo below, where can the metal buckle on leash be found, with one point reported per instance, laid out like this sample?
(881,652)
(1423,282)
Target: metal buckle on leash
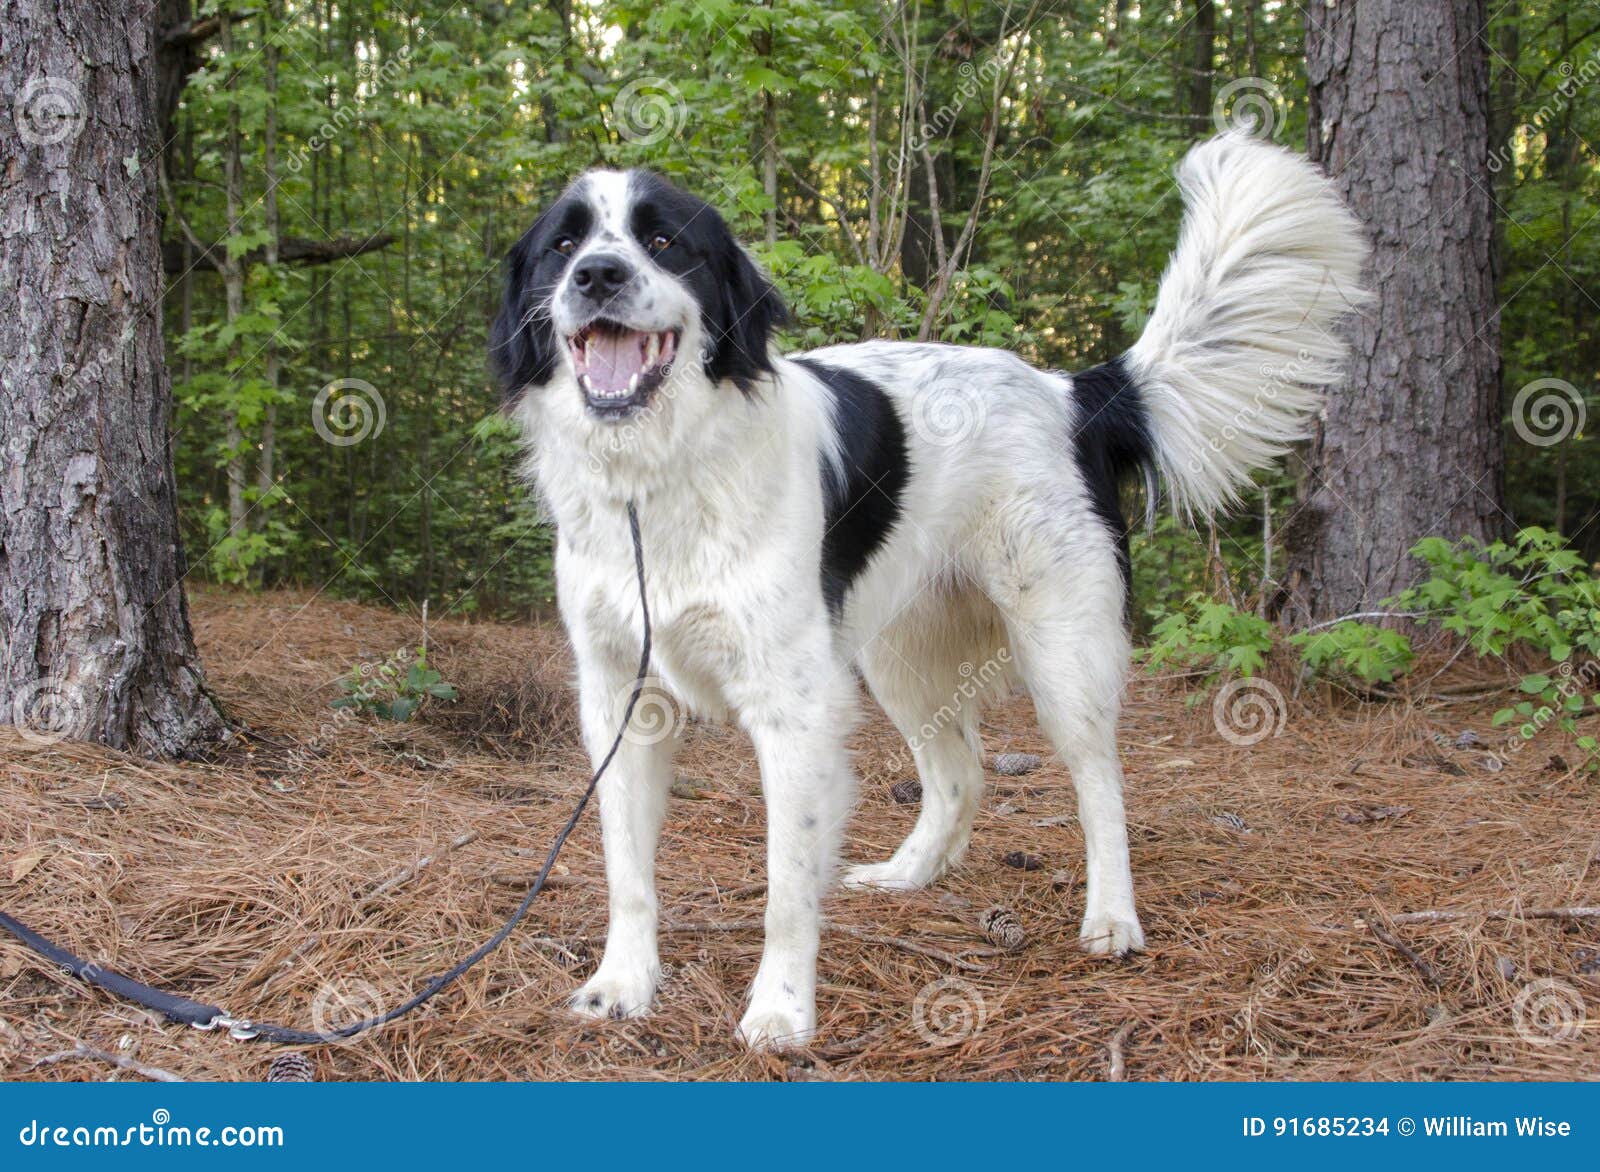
(239,1029)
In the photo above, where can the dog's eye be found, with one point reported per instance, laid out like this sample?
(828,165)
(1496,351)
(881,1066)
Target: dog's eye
(565,245)
(659,243)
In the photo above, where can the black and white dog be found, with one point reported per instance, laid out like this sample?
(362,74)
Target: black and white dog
(943,519)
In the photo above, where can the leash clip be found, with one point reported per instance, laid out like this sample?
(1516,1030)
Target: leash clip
(239,1029)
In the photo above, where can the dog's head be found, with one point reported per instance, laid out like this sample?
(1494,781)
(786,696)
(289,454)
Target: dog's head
(624,284)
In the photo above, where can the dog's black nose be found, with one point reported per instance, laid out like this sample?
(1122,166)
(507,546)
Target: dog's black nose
(601,276)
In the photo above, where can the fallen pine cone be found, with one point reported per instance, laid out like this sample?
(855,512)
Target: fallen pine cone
(291,1068)
(907,792)
(1001,926)
(1015,764)
(1022,861)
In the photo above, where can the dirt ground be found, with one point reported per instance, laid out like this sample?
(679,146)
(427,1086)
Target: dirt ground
(323,867)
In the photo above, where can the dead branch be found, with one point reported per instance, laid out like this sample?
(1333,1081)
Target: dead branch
(406,874)
(203,28)
(291,250)
(1119,1061)
(1426,970)
(1535,913)
(121,1061)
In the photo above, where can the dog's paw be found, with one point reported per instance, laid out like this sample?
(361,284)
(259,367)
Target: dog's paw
(777,1028)
(1111,935)
(893,875)
(615,996)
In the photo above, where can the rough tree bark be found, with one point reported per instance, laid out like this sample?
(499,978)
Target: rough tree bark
(96,638)
(1411,444)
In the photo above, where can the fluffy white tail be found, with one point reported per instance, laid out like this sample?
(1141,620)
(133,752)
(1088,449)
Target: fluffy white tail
(1232,364)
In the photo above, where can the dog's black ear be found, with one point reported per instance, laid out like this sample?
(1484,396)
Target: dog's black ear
(522,342)
(739,327)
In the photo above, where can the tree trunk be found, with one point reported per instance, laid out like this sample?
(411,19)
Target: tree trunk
(1202,60)
(1411,445)
(265,461)
(761,42)
(96,634)
(233,289)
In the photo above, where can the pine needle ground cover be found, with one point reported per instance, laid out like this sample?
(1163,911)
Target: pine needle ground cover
(1364,892)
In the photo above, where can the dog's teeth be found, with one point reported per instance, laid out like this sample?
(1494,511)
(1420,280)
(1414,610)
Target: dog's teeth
(586,382)
(652,350)
(633,383)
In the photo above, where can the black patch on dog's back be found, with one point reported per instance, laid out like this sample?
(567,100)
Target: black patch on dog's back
(862,505)
(1111,438)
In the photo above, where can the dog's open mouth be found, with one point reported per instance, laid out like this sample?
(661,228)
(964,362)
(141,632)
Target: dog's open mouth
(619,368)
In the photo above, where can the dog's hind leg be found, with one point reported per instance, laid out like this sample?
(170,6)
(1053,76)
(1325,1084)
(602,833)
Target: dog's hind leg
(1071,647)
(933,700)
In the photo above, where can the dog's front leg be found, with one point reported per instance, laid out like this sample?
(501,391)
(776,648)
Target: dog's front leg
(633,802)
(806,780)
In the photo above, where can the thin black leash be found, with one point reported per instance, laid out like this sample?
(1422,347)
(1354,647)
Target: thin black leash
(209,1017)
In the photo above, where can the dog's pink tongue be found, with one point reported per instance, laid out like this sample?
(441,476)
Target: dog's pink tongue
(614,358)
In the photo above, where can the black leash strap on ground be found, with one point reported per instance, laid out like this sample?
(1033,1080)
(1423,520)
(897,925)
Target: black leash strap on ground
(210,1017)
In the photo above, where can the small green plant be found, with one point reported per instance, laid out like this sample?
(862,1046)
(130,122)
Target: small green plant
(387,691)
(1371,654)
(1532,595)
(1532,591)
(1211,636)
(1558,699)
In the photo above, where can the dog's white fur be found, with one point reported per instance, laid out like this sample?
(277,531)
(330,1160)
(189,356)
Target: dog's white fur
(997,572)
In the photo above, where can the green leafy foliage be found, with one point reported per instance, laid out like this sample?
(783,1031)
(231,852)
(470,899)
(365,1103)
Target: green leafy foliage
(1210,636)
(1368,653)
(1534,591)
(1557,699)
(393,692)
(1531,596)
(444,127)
